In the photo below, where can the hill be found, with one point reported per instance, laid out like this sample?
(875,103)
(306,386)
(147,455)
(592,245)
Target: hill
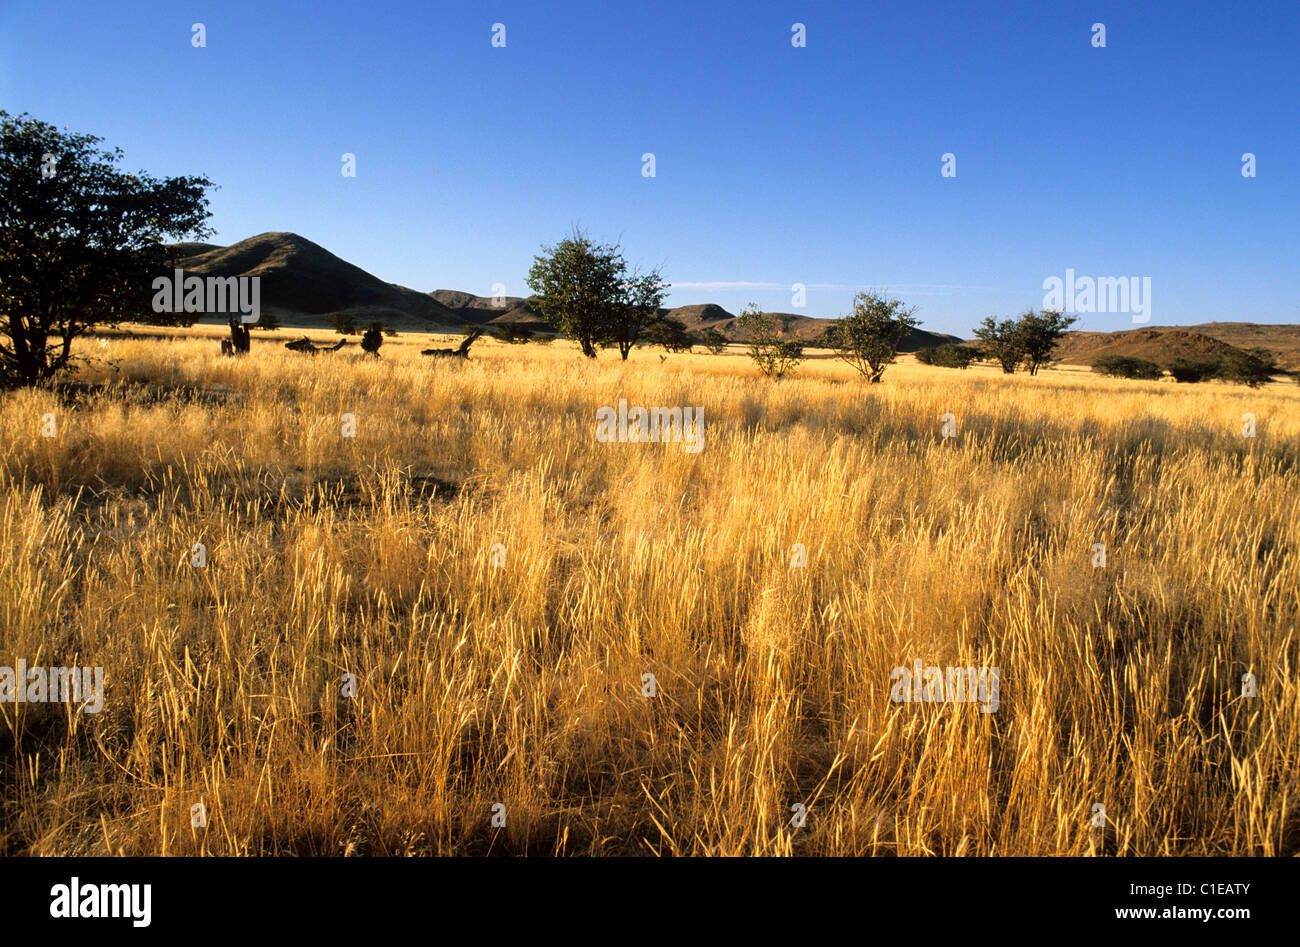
(489,310)
(1160,345)
(1282,340)
(701,317)
(302,282)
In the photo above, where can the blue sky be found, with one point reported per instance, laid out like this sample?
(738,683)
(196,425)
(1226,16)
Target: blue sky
(774,165)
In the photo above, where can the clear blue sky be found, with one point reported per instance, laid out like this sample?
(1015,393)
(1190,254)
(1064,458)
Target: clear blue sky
(774,164)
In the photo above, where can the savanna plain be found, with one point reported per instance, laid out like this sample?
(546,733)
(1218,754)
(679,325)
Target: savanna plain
(433,637)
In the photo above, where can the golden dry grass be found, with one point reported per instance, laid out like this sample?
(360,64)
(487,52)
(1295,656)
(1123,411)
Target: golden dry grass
(523,685)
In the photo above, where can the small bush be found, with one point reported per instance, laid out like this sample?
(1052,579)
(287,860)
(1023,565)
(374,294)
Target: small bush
(951,355)
(775,356)
(267,320)
(514,334)
(1192,372)
(713,340)
(372,338)
(341,322)
(1125,366)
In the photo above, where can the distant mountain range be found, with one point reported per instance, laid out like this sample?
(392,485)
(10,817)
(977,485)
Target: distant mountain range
(303,283)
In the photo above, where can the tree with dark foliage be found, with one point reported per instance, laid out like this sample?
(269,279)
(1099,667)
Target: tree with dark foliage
(1029,340)
(80,242)
(635,314)
(1253,368)
(670,334)
(1126,366)
(948,355)
(267,320)
(999,342)
(1190,372)
(1037,334)
(341,322)
(513,333)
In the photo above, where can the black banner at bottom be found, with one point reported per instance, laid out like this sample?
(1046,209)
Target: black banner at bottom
(617,897)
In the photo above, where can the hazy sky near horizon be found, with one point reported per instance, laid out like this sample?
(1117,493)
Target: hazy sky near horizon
(774,164)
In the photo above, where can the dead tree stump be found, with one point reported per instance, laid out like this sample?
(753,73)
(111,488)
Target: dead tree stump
(239,342)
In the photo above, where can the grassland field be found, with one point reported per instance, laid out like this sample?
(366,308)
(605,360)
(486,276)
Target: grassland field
(517,691)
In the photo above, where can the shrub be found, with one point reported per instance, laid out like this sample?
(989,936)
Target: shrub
(1192,372)
(714,341)
(669,333)
(341,322)
(1253,367)
(514,334)
(776,357)
(1125,366)
(951,355)
(372,338)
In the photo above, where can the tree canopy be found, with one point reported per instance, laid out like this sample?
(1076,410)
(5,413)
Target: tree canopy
(584,290)
(1028,340)
(1037,334)
(80,241)
(868,337)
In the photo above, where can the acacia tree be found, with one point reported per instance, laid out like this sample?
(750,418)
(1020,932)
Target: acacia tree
(634,316)
(775,356)
(999,341)
(868,337)
(80,241)
(583,290)
(1038,333)
(1252,367)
